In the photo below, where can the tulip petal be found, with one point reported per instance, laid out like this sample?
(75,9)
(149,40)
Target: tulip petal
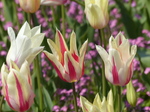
(11,34)
(36,30)
(57,65)
(102,52)
(25,30)
(82,53)
(73,47)
(60,42)
(72,67)
(85,104)
(94,14)
(37,40)
(97,101)
(53,2)
(55,50)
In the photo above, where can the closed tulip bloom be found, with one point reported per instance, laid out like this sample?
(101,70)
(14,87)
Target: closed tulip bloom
(26,45)
(53,2)
(68,64)
(119,60)
(17,86)
(98,105)
(97,13)
(30,6)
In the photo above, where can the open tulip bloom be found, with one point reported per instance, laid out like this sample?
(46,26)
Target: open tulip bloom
(26,45)
(68,64)
(119,60)
(17,86)
(98,105)
(53,2)
(97,13)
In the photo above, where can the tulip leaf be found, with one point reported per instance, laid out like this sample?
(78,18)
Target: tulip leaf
(47,100)
(132,27)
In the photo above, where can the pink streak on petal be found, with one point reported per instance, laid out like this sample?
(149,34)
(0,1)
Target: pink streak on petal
(75,57)
(24,105)
(130,73)
(120,40)
(62,47)
(7,97)
(115,73)
(72,72)
(57,70)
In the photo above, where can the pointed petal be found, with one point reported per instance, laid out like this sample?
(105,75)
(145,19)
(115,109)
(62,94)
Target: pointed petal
(36,30)
(37,40)
(73,47)
(102,52)
(11,34)
(85,104)
(33,53)
(60,42)
(25,30)
(57,65)
(82,53)
(97,101)
(72,67)
(55,50)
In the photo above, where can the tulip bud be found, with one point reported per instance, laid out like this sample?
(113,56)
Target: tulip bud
(30,6)
(17,86)
(97,13)
(131,94)
(68,64)
(119,60)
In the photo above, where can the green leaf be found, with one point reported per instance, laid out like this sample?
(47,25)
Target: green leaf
(47,100)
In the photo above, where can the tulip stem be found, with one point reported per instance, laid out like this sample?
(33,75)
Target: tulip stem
(63,20)
(37,71)
(1,102)
(74,97)
(102,41)
(119,99)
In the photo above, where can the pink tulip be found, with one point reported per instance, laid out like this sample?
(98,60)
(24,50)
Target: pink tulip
(68,64)
(119,60)
(17,86)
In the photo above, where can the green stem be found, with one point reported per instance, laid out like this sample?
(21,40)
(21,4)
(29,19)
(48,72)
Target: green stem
(53,16)
(78,2)
(119,98)
(74,97)
(63,20)
(102,41)
(37,71)
(1,102)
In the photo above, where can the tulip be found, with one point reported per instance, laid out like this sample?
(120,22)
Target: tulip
(53,2)
(30,6)
(98,105)
(131,94)
(67,63)
(97,13)
(26,45)
(119,60)
(17,86)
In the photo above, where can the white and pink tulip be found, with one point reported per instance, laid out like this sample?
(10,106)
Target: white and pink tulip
(119,60)
(68,64)
(17,86)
